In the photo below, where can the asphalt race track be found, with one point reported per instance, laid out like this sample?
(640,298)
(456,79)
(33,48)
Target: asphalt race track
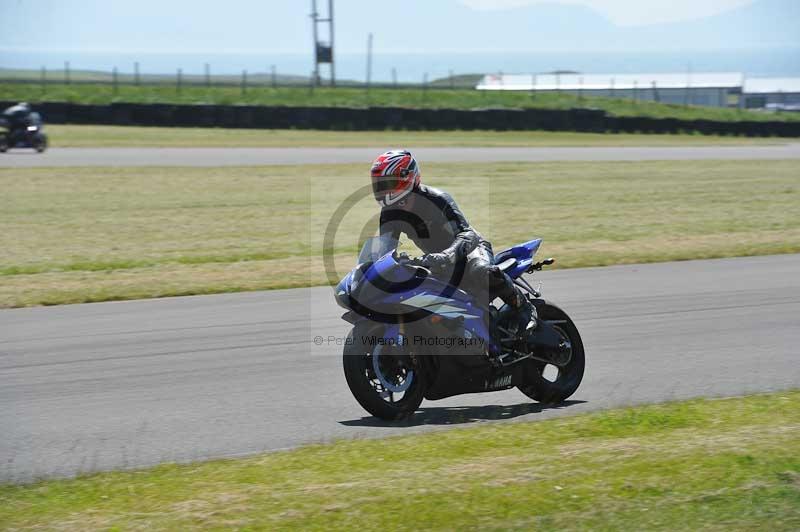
(62,157)
(128,384)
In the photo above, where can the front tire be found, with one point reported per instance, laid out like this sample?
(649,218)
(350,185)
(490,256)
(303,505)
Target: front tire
(540,385)
(368,378)
(39,142)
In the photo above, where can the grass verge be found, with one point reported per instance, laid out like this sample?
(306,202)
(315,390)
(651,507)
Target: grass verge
(726,464)
(94,93)
(96,234)
(122,136)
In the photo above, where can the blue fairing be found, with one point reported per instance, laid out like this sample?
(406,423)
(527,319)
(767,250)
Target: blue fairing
(400,286)
(523,253)
(344,285)
(439,298)
(430,294)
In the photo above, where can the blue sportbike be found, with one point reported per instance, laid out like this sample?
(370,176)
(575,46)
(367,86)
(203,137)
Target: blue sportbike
(417,336)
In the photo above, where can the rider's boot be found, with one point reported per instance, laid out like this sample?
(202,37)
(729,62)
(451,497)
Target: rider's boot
(526,315)
(521,323)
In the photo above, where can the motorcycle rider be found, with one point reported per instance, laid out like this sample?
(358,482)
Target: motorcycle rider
(17,116)
(433,221)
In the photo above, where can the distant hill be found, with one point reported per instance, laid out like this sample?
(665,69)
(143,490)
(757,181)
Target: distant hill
(760,24)
(449,25)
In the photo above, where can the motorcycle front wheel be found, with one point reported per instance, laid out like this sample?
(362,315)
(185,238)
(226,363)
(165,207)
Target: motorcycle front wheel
(550,384)
(380,377)
(39,142)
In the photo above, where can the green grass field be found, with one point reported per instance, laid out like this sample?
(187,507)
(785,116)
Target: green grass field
(94,234)
(354,97)
(121,136)
(725,464)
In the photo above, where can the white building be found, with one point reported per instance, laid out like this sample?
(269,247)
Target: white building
(698,88)
(777,93)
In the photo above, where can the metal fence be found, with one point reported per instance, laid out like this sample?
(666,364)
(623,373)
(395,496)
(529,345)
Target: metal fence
(268,78)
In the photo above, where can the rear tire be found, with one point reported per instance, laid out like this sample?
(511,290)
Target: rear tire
(541,389)
(3,143)
(361,379)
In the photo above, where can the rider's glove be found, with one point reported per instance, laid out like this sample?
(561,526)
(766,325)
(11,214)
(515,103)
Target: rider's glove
(436,262)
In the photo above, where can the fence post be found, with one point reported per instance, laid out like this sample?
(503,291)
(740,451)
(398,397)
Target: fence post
(424,85)
(452,80)
(394,77)
(114,80)
(533,86)
(687,92)
(207,70)
(656,96)
(179,81)
(741,102)
(44,79)
(244,82)
(66,73)
(369,60)
(636,91)
(136,79)
(274,77)
(580,89)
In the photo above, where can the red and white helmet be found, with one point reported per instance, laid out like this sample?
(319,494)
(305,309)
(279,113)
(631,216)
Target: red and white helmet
(394,175)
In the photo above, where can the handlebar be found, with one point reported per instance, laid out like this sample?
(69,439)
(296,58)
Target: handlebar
(415,262)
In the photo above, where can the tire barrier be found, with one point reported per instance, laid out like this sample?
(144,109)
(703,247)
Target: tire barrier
(395,118)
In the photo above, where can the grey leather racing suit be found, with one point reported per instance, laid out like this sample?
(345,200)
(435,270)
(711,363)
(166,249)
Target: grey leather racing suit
(433,221)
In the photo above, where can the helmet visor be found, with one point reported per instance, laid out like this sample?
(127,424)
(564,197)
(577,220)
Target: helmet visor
(383,185)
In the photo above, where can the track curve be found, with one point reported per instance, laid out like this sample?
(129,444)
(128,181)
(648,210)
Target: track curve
(129,384)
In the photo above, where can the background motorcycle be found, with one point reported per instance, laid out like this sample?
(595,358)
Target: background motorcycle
(30,135)
(415,336)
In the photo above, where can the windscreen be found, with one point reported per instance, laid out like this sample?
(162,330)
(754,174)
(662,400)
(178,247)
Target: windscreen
(376,247)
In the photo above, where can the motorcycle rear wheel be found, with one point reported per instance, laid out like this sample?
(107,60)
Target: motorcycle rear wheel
(557,390)
(366,386)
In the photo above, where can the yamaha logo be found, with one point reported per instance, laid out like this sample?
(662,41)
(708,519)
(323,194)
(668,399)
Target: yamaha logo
(500,382)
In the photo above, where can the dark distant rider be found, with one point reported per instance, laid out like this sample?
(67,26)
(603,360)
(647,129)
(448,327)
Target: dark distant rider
(18,116)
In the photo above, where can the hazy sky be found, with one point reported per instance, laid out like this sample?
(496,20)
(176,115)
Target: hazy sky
(630,12)
(415,36)
(416,26)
